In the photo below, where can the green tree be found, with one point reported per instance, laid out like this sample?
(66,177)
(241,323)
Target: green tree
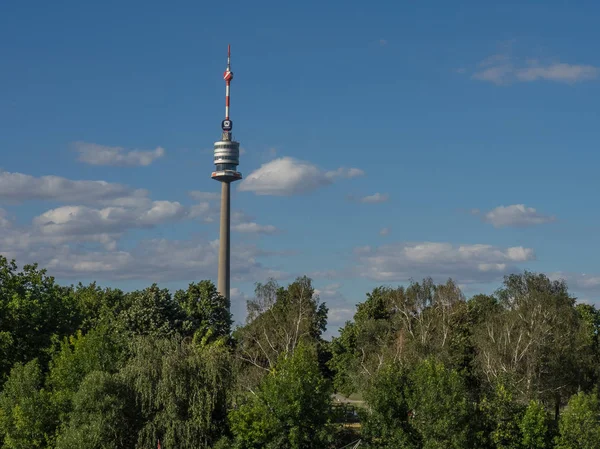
(207,310)
(27,419)
(291,408)
(182,389)
(97,306)
(588,353)
(441,410)
(343,362)
(387,422)
(279,319)
(579,425)
(534,427)
(425,320)
(33,308)
(104,415)
(536,339)
(502,416)
(153,312)
(101,349)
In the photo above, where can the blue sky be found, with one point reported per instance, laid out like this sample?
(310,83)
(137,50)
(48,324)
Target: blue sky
(403,140)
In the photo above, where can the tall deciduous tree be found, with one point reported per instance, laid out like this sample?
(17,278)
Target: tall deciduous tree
(98,306)
(207,311)
(182,389)
(387,421)
(101,349)
(27,419)
(403,325)
(33,308)
(104,415)
(535,338)
(534,427)
(502,417)
(291,408)
(441,407)
(579,425)
(279,319)
(152,311)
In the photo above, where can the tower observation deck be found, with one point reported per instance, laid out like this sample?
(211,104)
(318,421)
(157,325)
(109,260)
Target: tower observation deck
(227,150)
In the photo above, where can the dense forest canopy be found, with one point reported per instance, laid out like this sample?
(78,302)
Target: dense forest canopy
(86,366)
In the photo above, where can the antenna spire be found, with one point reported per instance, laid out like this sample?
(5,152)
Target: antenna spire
(228,76)
(228,58)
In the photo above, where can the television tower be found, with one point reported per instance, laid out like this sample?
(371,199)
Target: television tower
(227,158)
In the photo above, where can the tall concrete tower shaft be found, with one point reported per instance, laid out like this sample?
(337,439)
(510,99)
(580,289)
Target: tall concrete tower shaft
(226,159)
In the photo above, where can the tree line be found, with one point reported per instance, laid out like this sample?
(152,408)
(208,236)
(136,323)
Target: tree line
(86,366)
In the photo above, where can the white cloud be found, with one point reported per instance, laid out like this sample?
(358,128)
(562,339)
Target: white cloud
(288,176)
(465,263)
(161,260)
(151,260)
(83,220)
(239,300)
(344,172)
(203,210)
(105,212)
(82,239)
(95,154)
(254,228)
(340,308)
(517,215)
(242,222)
(328,291)
(84,223)
(338,316)
(582,282)
(566,73)
(519,254)
(371,199)
(384,231)
(103,207)
(18,187)
(503,68)
(4,221)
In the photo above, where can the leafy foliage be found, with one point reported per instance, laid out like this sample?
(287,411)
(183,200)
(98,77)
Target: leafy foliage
(84,366)
(534,427)
(387,424)
(207,310)
(279,319)
(503,417)
(580,423)
(291,408)
(27,419)
(440,406)
(153,312)
(104,415)
(181,389)
(33,308)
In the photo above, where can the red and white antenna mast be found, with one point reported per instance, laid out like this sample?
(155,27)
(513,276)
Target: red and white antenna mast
(228,76)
